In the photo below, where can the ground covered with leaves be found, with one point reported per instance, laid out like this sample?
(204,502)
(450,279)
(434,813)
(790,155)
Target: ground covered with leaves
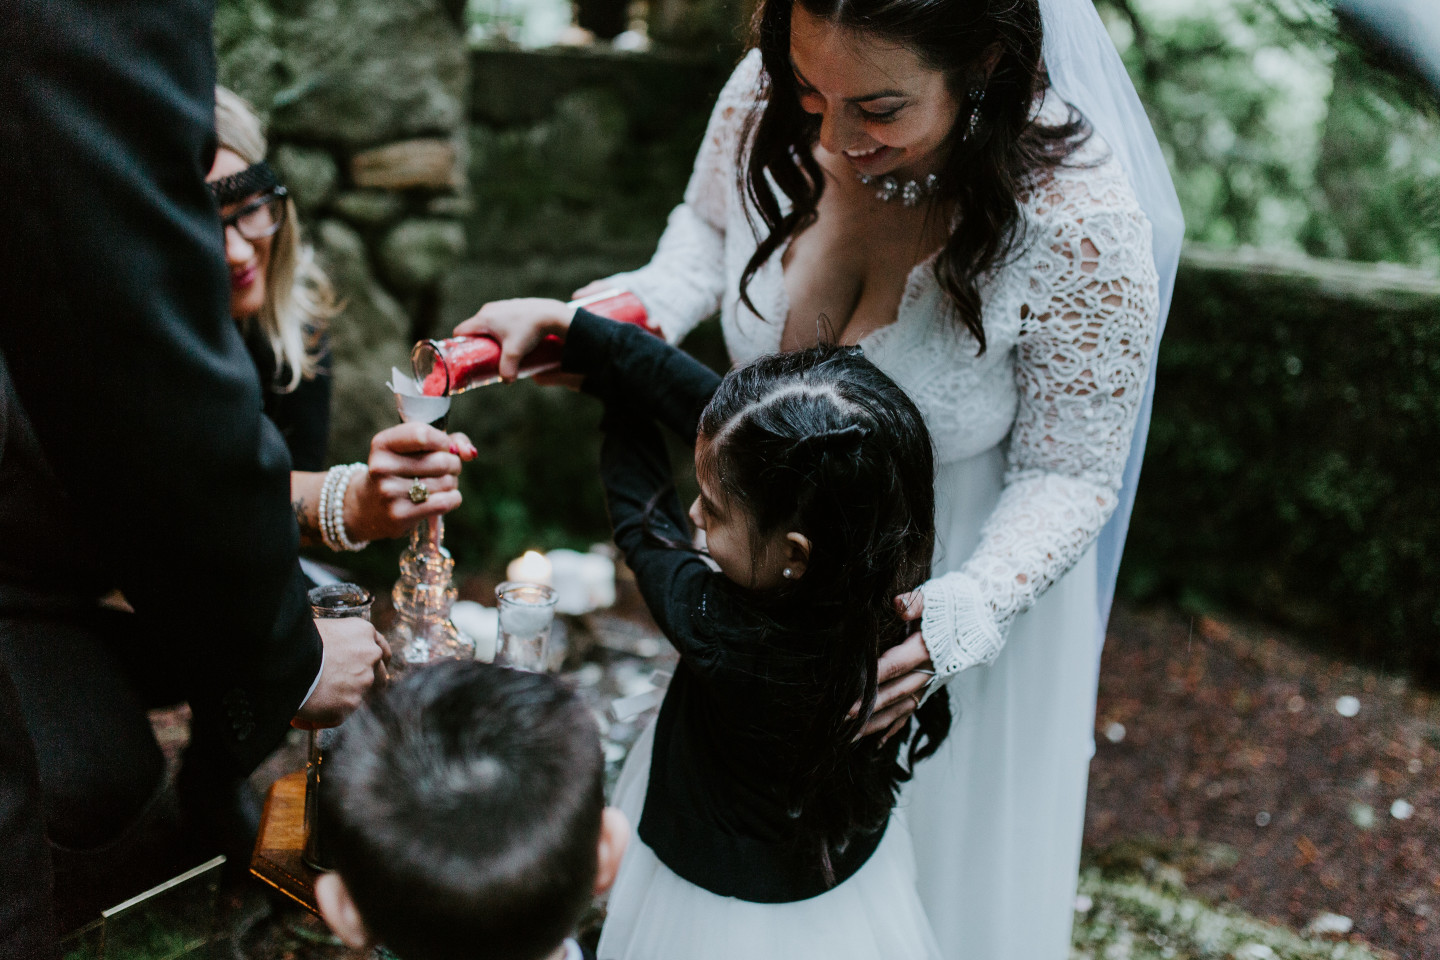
(1236,764)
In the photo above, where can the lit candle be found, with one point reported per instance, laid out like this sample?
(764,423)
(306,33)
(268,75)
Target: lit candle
(530,568)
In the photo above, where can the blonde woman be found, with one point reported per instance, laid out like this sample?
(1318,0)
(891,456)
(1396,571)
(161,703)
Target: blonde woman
(283,304)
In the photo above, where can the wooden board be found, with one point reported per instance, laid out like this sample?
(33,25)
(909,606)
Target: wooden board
(276,860)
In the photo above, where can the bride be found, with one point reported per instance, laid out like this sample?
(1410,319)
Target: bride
(989,218)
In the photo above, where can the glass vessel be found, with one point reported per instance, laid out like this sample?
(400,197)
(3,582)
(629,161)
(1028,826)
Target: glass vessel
(444,368)
(527,611)
(423,631)
(329,601)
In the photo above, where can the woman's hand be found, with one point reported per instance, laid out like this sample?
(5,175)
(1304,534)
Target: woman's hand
(518,326)
(592,288)
(905,671)
(378,504)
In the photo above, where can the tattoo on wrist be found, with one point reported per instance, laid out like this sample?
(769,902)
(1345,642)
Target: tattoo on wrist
(302,516)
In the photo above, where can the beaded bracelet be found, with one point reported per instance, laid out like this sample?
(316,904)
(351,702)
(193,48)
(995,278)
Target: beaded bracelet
(327,492)
(337,508)
(331,509)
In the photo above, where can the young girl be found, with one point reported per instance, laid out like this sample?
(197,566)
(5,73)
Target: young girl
(766,823)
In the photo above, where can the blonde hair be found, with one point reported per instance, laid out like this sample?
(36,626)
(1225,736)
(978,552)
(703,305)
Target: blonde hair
(299,300)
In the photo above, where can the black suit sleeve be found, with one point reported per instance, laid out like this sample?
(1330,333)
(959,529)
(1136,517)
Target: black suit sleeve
(123,355)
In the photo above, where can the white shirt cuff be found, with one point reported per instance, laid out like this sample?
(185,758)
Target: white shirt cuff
(314,683)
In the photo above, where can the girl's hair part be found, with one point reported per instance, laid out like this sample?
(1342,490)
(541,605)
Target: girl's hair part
(299,299)
(821,442)
(983,175)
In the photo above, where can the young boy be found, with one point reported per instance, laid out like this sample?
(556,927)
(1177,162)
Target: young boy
(465,814)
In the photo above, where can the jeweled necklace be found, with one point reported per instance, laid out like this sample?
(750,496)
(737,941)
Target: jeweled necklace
(910,193)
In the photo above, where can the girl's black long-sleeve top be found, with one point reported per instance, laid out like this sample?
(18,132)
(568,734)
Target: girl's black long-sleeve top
(715,811)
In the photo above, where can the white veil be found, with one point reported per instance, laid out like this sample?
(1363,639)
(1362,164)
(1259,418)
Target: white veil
(1086,71)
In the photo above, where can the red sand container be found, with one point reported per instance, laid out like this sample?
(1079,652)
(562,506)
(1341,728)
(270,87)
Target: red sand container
(446,367)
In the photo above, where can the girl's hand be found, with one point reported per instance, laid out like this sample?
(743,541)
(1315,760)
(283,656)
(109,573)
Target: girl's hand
(378,504)
(905,672)
(518,326)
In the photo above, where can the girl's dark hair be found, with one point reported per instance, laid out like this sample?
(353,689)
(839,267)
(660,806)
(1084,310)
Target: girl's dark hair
(983,174)
(821,442)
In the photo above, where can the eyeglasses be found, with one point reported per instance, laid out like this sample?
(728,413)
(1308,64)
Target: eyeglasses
(260,218)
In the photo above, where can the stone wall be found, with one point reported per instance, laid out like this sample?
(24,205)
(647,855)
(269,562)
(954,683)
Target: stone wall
(576,158)
(432,178)
(366,104)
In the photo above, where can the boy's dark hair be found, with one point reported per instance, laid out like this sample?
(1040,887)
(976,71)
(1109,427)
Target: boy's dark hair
(462,808)
(820,441)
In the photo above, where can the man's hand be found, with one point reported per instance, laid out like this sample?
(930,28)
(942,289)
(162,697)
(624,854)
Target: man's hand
(355,658)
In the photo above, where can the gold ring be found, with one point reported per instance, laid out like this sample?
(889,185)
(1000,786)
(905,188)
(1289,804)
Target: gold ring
(916,698)
(419,493)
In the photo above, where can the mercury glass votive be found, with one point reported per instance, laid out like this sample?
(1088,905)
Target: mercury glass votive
(527,612)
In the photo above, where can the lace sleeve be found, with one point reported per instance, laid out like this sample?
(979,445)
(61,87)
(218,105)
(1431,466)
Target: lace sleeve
(683,283)
(1082,361)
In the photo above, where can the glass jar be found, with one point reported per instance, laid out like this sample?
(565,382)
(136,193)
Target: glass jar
(444,368)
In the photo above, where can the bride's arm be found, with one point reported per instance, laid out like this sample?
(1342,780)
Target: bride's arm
(684,281)
(1081,367)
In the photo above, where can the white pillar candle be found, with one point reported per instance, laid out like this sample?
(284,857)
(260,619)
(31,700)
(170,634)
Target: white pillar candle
(530,568)
(479,623)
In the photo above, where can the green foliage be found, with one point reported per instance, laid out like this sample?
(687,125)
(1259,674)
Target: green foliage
(1279,135)
(1152,919)
(1291,461)
(1378,173)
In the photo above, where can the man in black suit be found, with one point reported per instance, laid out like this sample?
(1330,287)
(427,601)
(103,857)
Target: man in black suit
(133,453)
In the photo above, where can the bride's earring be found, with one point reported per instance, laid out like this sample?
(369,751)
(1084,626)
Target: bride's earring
(788,574)
(977,97)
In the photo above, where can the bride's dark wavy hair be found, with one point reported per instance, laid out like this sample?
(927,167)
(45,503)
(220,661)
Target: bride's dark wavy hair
(982,176)
(821,442)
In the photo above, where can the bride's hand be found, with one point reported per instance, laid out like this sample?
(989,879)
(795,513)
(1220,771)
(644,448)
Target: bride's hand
(592,288)
(905,671)
(518,326)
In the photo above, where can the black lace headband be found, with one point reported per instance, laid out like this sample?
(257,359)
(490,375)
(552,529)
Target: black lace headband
(256,178)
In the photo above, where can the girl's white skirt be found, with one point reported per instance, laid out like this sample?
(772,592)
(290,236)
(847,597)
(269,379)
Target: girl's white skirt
(656,915)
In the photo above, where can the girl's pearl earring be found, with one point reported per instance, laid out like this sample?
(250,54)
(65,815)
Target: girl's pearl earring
(788,574)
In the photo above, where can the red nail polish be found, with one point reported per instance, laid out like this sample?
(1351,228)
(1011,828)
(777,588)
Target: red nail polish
(455,449)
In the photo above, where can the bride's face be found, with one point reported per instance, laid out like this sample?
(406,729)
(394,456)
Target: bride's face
(880,108)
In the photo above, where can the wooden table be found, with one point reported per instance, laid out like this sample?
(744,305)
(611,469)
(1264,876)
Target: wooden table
(276,860)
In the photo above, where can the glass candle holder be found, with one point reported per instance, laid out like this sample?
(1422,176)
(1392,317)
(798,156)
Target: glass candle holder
(527,611)
(332,601)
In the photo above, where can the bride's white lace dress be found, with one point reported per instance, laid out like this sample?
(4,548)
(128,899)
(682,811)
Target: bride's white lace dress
(1031,439)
